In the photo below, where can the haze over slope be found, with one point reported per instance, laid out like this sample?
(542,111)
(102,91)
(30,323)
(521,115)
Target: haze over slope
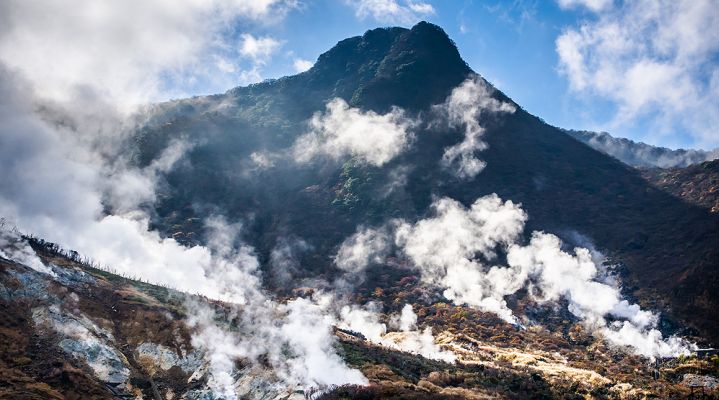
(639,154)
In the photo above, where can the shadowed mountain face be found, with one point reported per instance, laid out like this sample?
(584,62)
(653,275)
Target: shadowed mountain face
(670,248)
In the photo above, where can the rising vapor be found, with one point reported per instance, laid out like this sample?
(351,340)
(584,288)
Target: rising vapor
(343,131)
(464,107)
(459,249)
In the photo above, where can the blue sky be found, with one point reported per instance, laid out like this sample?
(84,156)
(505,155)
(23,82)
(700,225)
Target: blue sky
(510,44)
(643,69)
(514,45)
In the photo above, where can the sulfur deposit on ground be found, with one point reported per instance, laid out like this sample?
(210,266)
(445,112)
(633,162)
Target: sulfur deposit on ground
(552,366)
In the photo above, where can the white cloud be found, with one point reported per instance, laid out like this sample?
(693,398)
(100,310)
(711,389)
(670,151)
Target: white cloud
(464,106)
(594,5)
(392,11)
(260,49)
(421,7)
(650,58)
(302,65)
(344,131)
(128,52)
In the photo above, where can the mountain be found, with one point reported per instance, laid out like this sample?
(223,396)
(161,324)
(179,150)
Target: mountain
(696,184)
(642,155)
(666,246)
(393,180)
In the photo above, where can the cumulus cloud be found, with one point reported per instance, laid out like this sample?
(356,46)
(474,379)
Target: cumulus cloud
(130,52)
(463,108)
(302,65)
(342,131)
(259,49)
(405,12)
(650,58)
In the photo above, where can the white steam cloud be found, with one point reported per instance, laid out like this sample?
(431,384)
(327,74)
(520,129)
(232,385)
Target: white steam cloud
(344,131)
(463,108)
(63,157)
(361,249)
(458,249)
(366,320)
(57,186)
(444,248)
(14,248)
(295,338)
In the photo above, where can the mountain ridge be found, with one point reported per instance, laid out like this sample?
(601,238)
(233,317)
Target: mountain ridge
(642,155)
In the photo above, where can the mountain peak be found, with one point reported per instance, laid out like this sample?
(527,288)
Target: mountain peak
(410,68)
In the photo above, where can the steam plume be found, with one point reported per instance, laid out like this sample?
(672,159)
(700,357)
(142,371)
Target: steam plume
(464,106)
(343,131)
(458,250)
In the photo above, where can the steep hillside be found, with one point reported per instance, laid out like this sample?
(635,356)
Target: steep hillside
(642,155)
(242,166)
(71,331)
(696,184)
